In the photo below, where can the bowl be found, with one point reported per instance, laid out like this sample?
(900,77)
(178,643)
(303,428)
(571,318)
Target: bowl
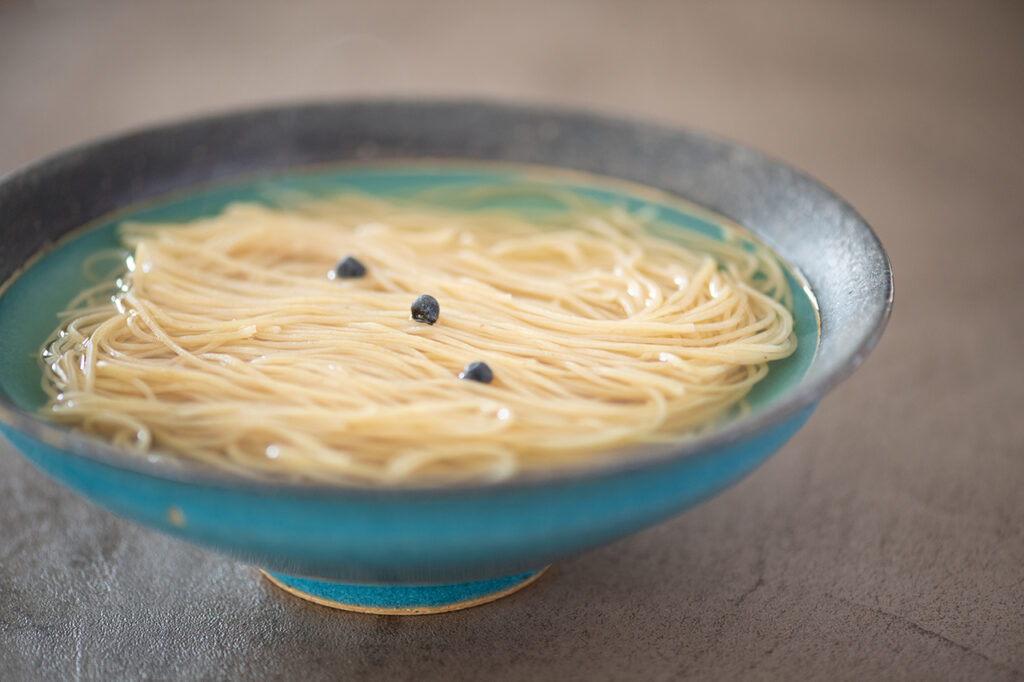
(430,548)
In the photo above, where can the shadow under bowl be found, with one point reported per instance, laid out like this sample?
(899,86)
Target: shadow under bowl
(416,550)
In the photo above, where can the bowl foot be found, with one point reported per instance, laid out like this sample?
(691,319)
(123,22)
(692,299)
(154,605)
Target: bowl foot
(402,600)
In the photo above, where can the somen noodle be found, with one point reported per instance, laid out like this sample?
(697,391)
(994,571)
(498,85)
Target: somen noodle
(234,342)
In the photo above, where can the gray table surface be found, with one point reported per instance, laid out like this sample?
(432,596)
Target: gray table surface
(885,541)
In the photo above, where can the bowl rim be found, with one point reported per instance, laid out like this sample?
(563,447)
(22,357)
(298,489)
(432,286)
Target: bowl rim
(801,397)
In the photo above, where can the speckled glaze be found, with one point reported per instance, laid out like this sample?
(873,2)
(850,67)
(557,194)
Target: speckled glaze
(435,536)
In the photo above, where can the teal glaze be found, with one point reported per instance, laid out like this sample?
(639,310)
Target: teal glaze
(379,537)
(414,536)
(386,537)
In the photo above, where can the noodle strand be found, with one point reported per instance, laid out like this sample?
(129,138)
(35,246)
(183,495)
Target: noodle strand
(225,343)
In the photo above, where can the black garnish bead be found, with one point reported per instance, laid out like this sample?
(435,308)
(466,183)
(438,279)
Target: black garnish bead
(348,268)
(477,371)
(425,309)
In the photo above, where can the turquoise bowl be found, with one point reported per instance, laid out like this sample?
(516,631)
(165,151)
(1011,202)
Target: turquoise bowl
(432,548)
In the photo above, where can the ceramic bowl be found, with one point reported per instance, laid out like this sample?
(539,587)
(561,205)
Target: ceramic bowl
(424,549)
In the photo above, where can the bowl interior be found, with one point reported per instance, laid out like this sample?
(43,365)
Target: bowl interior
(29,306)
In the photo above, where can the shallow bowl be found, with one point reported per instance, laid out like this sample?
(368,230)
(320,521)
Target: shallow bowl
(412,550)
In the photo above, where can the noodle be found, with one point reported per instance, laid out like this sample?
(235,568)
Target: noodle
(226,343)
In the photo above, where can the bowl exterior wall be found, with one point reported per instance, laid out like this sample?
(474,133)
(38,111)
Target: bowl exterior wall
(408,537)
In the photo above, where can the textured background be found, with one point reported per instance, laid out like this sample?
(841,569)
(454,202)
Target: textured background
(886,540)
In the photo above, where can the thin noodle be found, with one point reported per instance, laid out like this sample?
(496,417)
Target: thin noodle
(226,343)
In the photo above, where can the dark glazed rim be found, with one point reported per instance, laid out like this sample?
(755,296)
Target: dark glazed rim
(647,154)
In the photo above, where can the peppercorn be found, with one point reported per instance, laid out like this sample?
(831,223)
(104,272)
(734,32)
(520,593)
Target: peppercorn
(348,268)
(477,371)
(425,309)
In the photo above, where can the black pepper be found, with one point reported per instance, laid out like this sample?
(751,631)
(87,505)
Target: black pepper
(349,268)
(425,309)
(477,371)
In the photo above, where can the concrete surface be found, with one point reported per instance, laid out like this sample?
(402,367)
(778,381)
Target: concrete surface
(885,541)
